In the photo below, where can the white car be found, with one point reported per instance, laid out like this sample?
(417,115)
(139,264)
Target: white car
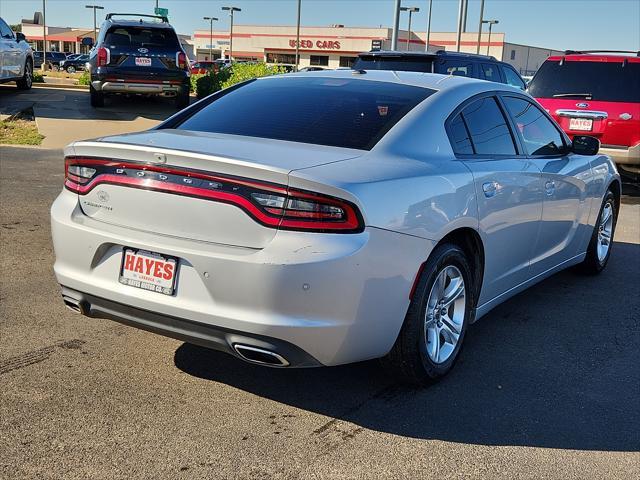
(331,217)
(16,58)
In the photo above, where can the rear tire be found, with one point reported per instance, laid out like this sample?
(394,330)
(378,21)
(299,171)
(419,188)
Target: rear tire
(431,337)
(601,242)
(71,69)
(26,82)
(97,98)
(182,100)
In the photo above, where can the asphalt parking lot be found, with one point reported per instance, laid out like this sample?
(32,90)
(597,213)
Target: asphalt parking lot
(547,386)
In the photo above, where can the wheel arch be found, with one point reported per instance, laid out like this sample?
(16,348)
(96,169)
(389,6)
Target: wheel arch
(616,188)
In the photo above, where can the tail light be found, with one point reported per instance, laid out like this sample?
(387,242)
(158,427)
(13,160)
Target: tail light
(103,57)
(272,205)
(181,61)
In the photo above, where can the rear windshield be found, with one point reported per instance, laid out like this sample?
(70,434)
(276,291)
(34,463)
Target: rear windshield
(397,63)
(141,37)
(339,112)
(606,81)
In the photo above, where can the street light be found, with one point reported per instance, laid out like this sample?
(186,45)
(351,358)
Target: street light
(95,7)
(210,20)
(231,10)
(410,10)
(491,24)
(480,24)
(426,48)
(298,36)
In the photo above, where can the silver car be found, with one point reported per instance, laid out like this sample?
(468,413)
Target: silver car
(16,58)
(331,217)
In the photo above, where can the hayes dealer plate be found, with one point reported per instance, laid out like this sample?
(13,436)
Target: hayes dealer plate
(149,271)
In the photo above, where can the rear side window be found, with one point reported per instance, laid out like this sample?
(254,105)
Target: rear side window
(487,127)
(460,140)
(540,136)
(513,78)
(122,36)
(339,112)
(397,63)
(491,72)
(605,81)
(456,68)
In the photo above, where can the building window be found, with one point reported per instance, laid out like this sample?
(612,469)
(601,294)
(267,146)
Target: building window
(513,54)
(286,58)
(347,61)
(319,60)
(67,47)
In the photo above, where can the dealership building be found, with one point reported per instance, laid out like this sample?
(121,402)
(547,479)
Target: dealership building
(337,45)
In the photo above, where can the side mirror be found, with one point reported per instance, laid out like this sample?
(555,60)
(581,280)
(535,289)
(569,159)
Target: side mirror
(585,145)
(20,37)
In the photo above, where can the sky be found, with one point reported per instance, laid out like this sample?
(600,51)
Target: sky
(555,24)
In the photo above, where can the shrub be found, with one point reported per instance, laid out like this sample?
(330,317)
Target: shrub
(37,77)
(85,78)
(246,71)
(210,82)
(194,82)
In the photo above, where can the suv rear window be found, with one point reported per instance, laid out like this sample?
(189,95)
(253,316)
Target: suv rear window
(605,81)
(398,63)
(339,112)
(122,36)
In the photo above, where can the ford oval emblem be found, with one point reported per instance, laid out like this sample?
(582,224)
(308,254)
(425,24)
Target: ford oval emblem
(143,50)
(582,105)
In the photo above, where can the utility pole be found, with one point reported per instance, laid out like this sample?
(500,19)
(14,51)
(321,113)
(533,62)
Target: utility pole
(480,24)
(231,10)
(491,24)
(44,35)
(465,7)
(95,27)
(211,20)
(426,47)
(298,36)
(396,25)
(410,10)
(459,34)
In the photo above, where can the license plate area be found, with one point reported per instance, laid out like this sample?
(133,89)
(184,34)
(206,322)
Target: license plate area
(581,124)
(143,61)
(149,271)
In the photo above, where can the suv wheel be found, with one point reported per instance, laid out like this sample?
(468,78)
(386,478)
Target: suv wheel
(71,69)
(26,81)
(97,98)
(433,331)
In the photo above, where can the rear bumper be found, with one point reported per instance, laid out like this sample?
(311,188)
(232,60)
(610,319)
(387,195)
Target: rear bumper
(337,298)
(626,157)
(118,82)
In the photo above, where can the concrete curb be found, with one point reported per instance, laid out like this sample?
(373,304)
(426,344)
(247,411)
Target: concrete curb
(61,86)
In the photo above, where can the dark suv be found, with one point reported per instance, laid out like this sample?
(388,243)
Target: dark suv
(442,61)
(138,56)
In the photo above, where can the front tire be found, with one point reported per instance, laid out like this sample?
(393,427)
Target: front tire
(97,98)
(431,337)
(599,249)
(26,82)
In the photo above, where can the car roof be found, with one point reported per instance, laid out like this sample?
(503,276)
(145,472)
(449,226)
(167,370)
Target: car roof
(138,23)
(597,56)
(427,55)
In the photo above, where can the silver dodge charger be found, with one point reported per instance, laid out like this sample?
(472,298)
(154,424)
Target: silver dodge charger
(331,217)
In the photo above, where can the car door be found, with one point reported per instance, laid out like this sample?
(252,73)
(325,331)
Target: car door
(512,78)
(490,72)
(565,178)
(9,52)
(508,190)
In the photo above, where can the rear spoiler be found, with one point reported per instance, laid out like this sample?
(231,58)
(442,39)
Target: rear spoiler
(159,17)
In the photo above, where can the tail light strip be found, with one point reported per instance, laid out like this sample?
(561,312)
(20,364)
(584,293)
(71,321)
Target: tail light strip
(272,205)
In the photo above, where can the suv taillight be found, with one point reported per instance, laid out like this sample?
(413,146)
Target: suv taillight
(181,61)
(272,205)
(103,57)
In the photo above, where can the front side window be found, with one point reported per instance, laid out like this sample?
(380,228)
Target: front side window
(5,31)
(490,72)
(463,70)
(490,134)
(513,78)
(539,134)
(339,112)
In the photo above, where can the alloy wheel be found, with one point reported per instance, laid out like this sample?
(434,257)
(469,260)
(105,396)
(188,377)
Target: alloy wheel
(605,231)
(445,313)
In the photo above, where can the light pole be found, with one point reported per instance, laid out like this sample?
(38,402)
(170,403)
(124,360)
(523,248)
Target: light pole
(396,25)
(410,10)
(95,30)
(459,33)
(426,48)
(231,10)
(210,20)
(298,36)
(44,35)
(491,24)
(480,24)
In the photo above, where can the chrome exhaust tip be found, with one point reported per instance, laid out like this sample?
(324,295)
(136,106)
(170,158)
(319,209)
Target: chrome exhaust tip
(260,356)
(74,305)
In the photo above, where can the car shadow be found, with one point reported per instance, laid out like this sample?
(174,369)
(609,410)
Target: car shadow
(555,367)
(69,104)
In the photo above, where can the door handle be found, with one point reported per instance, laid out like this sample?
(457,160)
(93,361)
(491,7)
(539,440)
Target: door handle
(550,187)
(490,189)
